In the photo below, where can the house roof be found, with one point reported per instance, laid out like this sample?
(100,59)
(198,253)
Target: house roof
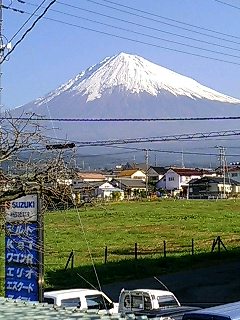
(188,171)
(91,175)
(159,170)
(130,183)
(233,169)
(90,184)
(127,173)
(134,165)
(218,180)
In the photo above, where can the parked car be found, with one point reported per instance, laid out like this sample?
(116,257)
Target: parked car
(229,311)
(84,299)
(151,303)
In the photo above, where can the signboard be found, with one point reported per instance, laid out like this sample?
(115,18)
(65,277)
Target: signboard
(22,209)
(23,249)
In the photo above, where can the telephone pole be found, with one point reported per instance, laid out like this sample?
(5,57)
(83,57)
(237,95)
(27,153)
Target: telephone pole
(1,52)
(147,166)
(223,167)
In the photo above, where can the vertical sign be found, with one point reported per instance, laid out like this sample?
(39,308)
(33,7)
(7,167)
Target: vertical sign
(23,249)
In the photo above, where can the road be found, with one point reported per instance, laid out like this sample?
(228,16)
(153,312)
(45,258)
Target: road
(200,287)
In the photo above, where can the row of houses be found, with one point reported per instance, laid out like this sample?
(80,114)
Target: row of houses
(161,181)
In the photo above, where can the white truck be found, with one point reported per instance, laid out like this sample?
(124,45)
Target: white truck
(83,299)
(151,303)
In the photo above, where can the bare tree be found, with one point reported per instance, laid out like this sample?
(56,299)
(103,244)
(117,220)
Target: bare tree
(27,164)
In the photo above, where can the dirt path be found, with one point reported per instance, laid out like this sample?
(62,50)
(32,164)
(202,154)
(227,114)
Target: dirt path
(201,287)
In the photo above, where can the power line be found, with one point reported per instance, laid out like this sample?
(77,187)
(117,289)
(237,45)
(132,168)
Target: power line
(115,143)
(152,19)
(135,24)
(228,4)
(140,42)
(28,30)
(123,119)
(12,9)
(178,137)
(174,20)
(174,151)
(17,32)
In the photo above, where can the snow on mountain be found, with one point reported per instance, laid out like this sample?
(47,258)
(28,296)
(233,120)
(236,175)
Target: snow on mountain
(136,75)
(128,86)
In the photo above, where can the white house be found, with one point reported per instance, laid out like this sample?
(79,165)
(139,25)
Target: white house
(233,173)
(178,178)
(107,190)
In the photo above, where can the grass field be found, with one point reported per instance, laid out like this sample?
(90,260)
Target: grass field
(87,231)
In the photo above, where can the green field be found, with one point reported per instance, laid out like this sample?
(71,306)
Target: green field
(88,230)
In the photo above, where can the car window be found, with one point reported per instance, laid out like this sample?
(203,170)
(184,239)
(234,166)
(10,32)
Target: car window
(49,300)
(97,301)
(165,301)
(71,302)
(137,302)
(126,301)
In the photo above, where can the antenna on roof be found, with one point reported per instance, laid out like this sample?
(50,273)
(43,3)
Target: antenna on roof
(161,283)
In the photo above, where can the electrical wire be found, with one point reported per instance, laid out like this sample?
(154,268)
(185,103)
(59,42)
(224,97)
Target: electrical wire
(228,4)
(135,41)
(133,23)
(175,152)
(176,137)
(173,20)
(24,24)
(151,19)
(28,30)
(124,119)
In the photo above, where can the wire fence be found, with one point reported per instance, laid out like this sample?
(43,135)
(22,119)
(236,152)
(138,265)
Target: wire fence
(75,258)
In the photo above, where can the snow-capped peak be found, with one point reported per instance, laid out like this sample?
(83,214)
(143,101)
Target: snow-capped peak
(134,74)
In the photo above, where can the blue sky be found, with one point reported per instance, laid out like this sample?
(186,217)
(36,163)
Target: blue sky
(54,52)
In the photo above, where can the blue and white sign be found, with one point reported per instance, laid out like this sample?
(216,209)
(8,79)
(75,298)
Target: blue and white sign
(22,251)
(22,283)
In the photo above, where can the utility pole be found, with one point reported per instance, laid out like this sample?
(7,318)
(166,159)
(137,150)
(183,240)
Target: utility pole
(182,160)
(223,167)
(1,52)
(147,166)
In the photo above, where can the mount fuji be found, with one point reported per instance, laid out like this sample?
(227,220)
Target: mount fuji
(129,86)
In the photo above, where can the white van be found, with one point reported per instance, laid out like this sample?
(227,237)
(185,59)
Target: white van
(84,299)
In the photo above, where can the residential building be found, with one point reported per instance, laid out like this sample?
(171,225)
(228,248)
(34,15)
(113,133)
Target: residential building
(131,174)
(107,191)
(233,173)
(177,179)
(87,177)
(133,188)
(155,174)
(213,187)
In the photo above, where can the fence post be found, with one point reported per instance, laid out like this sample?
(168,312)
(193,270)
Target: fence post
(218,242)
(135,251)
(69,258)
(72,261)
(164,249)
(105,255)
(192,247)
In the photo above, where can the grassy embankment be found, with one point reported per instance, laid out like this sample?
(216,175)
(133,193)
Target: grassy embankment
(119,226)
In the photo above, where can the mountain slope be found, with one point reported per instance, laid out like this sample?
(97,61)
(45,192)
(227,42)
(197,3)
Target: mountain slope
(131,73)
(128,86)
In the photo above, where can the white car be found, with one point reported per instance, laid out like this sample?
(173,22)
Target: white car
(84,299)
